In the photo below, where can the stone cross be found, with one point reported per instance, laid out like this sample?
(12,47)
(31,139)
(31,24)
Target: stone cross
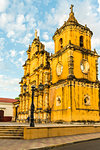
(71,8)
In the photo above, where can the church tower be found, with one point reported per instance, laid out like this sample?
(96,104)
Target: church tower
(36,72)
(74,90)
(69,77)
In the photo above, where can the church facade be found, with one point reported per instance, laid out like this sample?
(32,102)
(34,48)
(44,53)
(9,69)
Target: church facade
(69,77)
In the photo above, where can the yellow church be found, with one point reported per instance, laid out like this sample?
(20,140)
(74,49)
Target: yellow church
(69,77)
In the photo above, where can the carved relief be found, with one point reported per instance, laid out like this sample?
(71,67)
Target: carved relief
(59,68)
(58,101)
(87,100)
(84,66)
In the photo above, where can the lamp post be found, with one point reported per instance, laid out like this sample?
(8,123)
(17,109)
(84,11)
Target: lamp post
(41,87)
(24,87)
(32,107)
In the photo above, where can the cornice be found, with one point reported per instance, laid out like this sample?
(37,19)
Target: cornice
(74,47)
(75,24)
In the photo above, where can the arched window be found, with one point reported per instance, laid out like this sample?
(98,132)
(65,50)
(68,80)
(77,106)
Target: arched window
(81,41)
(61,43)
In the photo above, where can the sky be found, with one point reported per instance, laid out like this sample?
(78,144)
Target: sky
(18,21)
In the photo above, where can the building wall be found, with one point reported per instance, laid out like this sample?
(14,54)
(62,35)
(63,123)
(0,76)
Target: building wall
(72,106)
(36,71)
(7,107)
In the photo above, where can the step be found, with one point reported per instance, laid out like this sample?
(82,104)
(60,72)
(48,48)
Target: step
(5,133)
(4,127)
(11,134)
(15,131)
(11,128)
(11,137)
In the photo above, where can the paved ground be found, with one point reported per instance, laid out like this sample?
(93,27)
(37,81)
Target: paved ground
(14,144)
(19,144)
(46,125)
(88,145)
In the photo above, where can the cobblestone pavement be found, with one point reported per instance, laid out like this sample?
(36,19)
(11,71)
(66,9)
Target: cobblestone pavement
(14,144)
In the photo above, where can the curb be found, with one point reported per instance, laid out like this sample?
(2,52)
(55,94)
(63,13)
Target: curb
(59,145)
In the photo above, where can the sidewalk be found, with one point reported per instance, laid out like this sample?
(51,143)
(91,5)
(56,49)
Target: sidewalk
(14,144)
(47,124)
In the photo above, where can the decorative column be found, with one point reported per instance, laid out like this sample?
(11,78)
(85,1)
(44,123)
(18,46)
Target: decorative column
(23,112)
(70,64)
(36,105)
(27,104)
(40,76)
(46,77)
(46,97)
(37,79)
(97,69)
(40,106)
(46,105)
(20,107)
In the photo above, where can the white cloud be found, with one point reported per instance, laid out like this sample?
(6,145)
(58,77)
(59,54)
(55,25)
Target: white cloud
(2,42)
(55,18)
(20,19)
(99,5)
(3,5)
(6,19)
(31,22)
(1,59)
(95,42)
(20,61)
(26,40)
(12,53)
(45,36)
(22,52)
(10,34)
(9,86)
(49,46)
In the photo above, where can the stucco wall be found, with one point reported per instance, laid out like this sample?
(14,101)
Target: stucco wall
(7,108)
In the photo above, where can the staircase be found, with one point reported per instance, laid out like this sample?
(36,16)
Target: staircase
(11,132)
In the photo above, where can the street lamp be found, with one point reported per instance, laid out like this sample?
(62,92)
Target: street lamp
(41,87)
(24,86)
(32,107)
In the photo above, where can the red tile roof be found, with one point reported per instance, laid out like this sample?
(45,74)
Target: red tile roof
(8,100)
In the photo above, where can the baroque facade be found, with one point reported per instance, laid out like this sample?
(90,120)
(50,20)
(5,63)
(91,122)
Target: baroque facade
(69,77)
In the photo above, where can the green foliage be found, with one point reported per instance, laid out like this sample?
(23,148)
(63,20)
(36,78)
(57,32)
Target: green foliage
(17,98)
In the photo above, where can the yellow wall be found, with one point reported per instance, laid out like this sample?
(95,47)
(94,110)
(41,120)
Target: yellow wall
(46,132)
(73,34)
(73,108)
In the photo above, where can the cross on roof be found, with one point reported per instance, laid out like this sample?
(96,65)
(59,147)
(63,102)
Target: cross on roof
(71,8)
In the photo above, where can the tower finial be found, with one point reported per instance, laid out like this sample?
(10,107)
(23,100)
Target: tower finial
(36,34)
(71,8)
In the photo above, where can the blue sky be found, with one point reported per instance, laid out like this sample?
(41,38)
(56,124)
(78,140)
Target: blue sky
(18,21)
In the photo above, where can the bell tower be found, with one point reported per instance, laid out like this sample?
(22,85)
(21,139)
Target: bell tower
(71,30)
(74,69)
